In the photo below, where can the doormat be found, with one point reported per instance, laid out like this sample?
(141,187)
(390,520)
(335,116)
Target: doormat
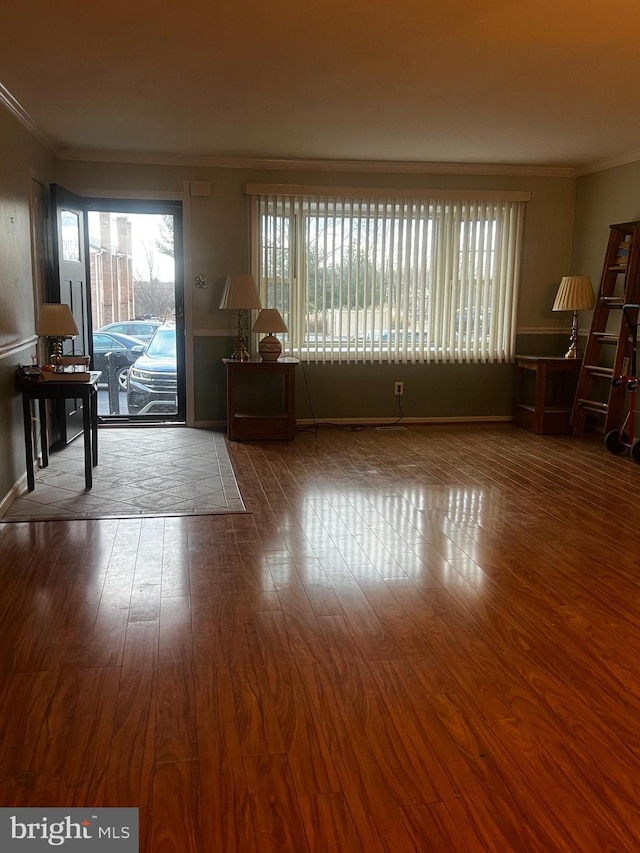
(142,472)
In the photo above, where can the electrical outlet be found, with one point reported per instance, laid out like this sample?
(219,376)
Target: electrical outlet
(398,389)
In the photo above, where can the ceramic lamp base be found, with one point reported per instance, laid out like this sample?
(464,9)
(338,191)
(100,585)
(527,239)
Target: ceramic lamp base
(270,348)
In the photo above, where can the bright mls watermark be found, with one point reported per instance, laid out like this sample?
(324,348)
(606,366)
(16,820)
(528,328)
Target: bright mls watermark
(79,830)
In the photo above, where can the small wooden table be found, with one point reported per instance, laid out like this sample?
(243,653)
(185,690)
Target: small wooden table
(59,389)
(548,410)
(261,399)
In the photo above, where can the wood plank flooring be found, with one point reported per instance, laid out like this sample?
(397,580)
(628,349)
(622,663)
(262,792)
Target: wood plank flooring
(420,640)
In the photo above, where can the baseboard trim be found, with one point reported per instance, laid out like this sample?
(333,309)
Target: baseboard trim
(467,419)
(406,420)
(12,494)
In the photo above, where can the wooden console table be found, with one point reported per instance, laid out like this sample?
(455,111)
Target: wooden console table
(43,390)
(261,400)
(547,410)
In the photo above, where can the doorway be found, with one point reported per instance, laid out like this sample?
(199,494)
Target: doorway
(137,298)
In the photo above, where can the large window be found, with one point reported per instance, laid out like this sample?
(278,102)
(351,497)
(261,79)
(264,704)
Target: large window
(375,279)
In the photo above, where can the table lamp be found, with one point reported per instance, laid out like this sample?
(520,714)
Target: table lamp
(56,323)
(574,294)
(240,292)
(270,321)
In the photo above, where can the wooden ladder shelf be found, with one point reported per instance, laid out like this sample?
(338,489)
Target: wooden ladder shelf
(609,345)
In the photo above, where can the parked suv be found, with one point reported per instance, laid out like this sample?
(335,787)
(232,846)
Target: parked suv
(152,382)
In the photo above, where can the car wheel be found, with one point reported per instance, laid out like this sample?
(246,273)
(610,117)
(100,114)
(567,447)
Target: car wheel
(123,372)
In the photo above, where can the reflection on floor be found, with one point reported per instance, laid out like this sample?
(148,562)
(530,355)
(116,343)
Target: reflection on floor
(141,472)
(415,642)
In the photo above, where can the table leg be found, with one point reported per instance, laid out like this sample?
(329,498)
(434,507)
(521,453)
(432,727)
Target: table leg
(44,437)
(28,441)
(540,395)
(86,423)
(93,403)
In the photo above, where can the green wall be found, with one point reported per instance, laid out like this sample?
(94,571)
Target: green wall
(19,152)
(602,199)
(220,244)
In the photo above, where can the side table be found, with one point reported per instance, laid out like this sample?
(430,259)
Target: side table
(261,401)
(43,390)
(546,409)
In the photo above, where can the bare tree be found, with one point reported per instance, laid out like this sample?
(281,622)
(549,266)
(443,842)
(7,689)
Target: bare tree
(153,298)
(149,270)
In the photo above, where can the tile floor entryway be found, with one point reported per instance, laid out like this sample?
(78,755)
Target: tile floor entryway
(140,472)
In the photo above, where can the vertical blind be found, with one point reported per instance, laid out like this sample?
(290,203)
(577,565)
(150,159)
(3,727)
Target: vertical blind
(376,279)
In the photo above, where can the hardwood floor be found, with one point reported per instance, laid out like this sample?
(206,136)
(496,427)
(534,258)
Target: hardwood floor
(420,640)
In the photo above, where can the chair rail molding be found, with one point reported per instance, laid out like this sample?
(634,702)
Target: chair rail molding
(11,349)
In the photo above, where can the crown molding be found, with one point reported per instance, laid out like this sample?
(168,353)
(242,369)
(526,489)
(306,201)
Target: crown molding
(16,109)
(292,165)
(310,165)
(609,163)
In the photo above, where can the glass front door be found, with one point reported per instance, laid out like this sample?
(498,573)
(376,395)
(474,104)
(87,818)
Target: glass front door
(137,317)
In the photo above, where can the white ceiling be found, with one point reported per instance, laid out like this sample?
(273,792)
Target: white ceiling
(544,83)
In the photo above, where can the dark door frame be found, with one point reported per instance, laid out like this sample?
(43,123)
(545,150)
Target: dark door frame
(174,207)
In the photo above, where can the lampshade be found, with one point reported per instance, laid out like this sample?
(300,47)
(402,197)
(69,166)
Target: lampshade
(240,291)
(269,320)
(574,294)
(56,321)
